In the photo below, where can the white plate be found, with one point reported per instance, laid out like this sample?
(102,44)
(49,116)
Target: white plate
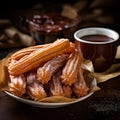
(51,105)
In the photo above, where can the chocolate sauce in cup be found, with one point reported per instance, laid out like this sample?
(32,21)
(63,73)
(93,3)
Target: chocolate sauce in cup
(98,45)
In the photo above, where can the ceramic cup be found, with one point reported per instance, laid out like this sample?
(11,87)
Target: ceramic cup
(98,45)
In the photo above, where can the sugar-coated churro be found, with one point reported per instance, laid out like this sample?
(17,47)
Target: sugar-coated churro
(80,87)
(45,72)
(17,85)
(70,71)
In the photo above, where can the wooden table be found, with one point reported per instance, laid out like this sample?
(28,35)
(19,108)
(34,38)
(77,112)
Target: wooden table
(93,108)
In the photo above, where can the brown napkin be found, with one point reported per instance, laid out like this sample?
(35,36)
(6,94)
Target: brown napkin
(4,73)
(112,72)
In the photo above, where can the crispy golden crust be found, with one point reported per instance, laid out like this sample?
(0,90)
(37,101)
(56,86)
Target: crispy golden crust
(70,71)
(26,51)
(38,57)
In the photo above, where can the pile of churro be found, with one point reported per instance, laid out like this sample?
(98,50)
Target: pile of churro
(47,70)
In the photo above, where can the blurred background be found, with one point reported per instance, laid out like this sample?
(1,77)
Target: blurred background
(89,13)
(92,12)
(14,35)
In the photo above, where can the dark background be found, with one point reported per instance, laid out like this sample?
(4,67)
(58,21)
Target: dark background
(10,6)
(103,105)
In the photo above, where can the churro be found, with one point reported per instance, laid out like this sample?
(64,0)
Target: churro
(67,91)
(38,57)
(34,89)
(56,86)
(26,51)
(70,71)
(80,87)
(45,72)
(17,85)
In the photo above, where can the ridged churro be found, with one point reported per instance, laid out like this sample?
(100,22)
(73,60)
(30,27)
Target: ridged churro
(56,86)
(26,51)
(80,87)
(34,89)
(70,71)
(45,72)
(38,57)
(17,85)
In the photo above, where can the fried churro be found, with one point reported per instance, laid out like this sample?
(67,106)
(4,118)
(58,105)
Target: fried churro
(45,72)
(70,71)
(80,87)
(26,51)
(17,85)
(39,56)
(67,91)
(56,86)
(35,90)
